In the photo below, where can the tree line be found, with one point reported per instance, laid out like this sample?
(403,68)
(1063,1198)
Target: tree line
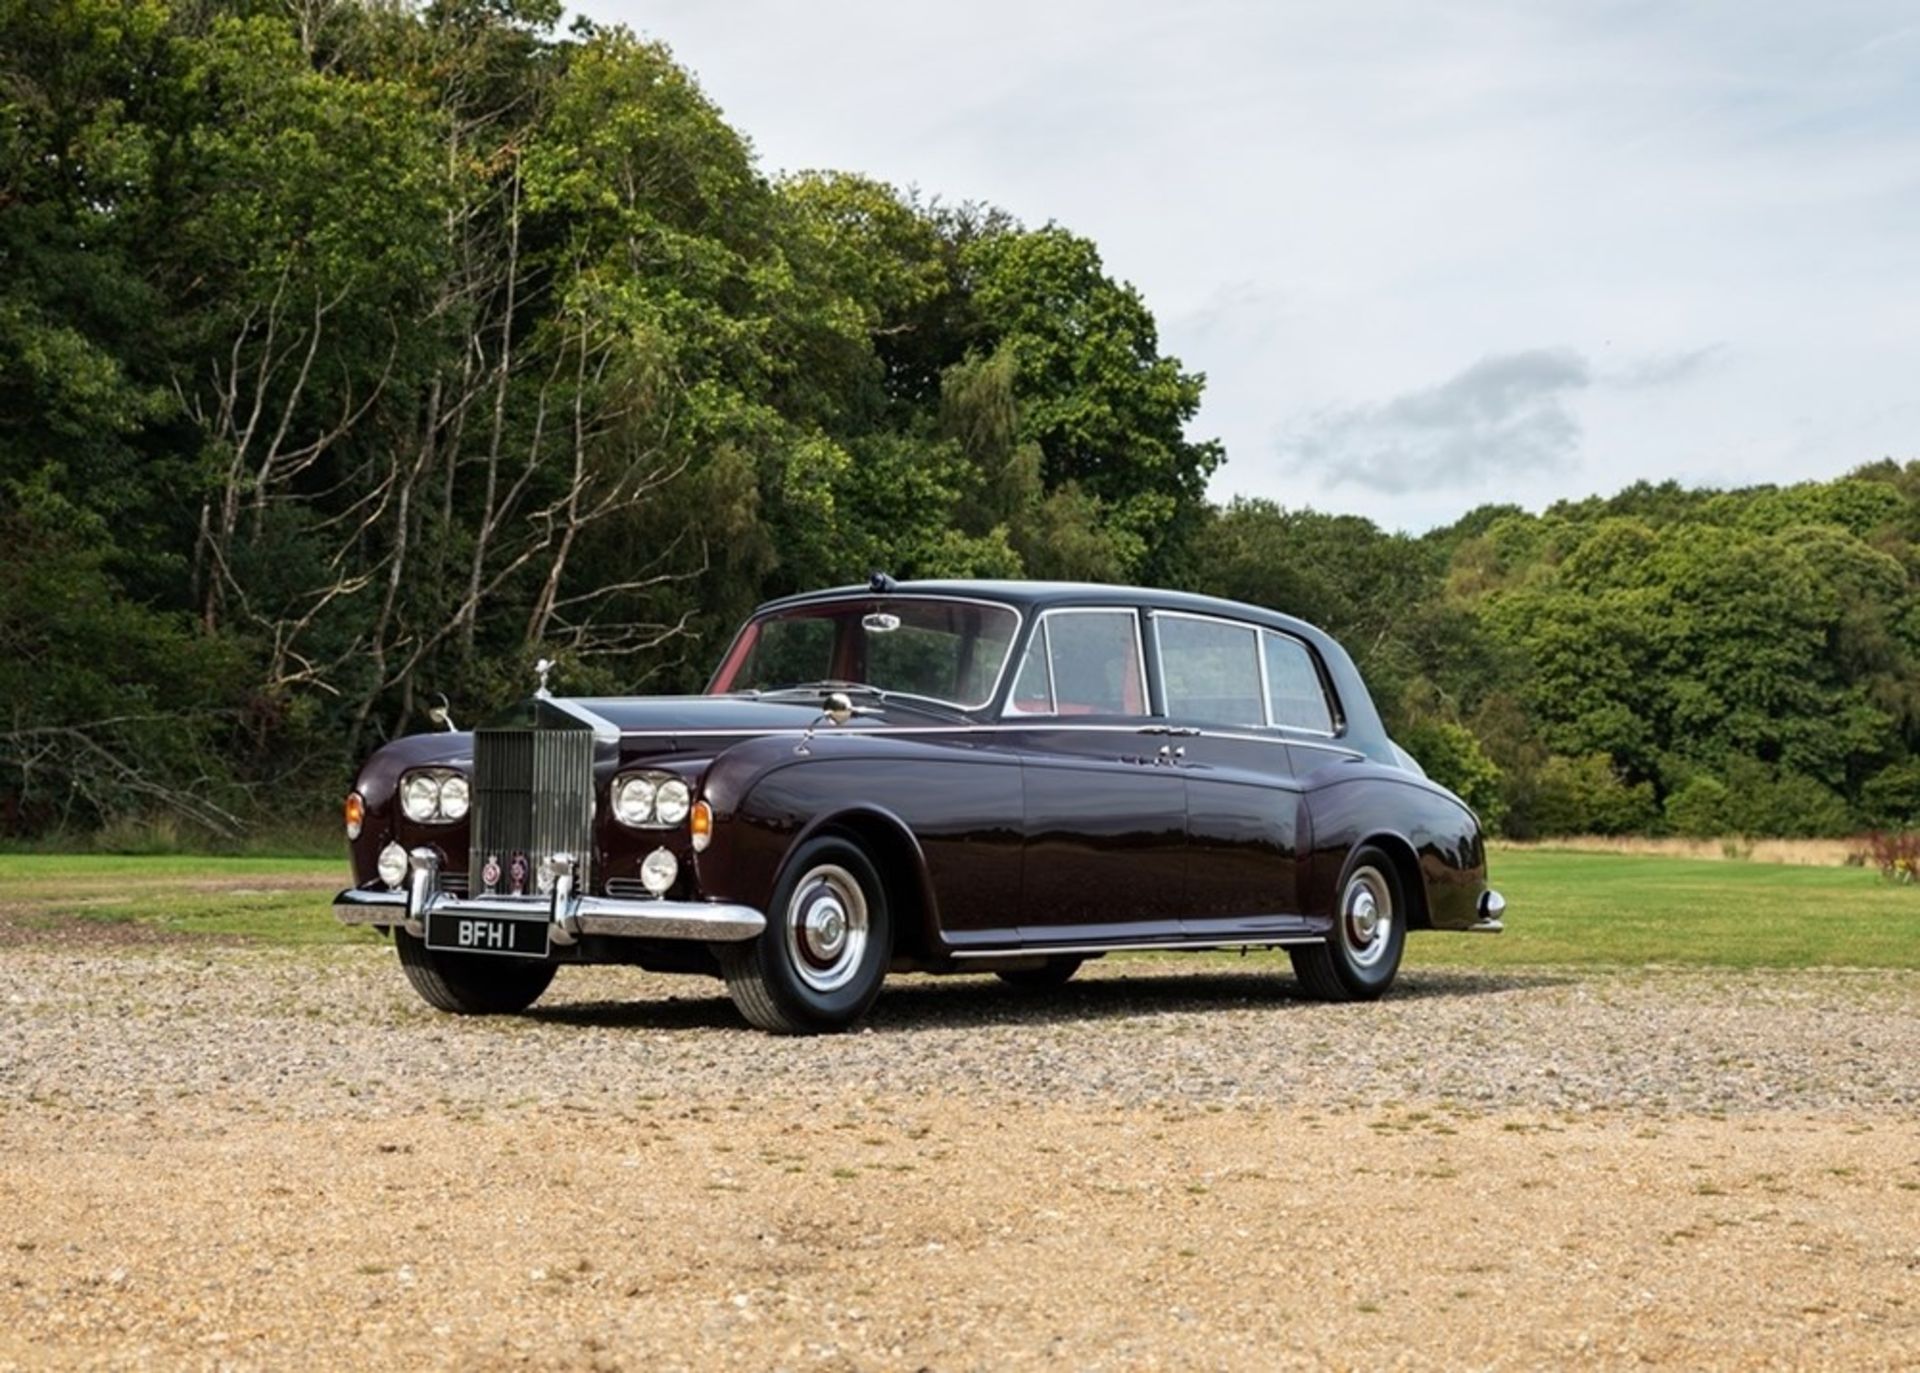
(357,351)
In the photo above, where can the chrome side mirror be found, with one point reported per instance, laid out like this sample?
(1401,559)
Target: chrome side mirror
(442,714)
(838,707)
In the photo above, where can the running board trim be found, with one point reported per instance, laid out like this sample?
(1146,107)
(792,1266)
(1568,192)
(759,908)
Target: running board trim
(1155,946)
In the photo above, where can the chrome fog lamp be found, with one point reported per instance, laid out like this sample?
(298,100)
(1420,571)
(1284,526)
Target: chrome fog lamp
(672,801)
(658,871)
(633,800)
(455,797)
(420,797)
(392,866)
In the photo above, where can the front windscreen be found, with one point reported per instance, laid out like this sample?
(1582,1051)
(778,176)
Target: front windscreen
(950,651)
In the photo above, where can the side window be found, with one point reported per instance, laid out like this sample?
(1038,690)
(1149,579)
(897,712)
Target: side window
(1033,688)
(1211,670)
(1293,686)
(1082,662)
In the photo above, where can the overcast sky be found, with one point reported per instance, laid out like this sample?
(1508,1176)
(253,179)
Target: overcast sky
(1428,254)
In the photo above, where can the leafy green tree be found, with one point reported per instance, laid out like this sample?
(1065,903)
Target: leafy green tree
(1108,410)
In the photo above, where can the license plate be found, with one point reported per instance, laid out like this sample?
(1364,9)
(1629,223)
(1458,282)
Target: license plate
(487,934)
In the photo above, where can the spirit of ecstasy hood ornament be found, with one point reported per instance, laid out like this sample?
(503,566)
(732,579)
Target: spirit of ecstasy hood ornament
(543,667)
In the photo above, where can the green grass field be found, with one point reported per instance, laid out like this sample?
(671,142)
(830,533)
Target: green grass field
(1627,909)
(1563,909)
(276,900)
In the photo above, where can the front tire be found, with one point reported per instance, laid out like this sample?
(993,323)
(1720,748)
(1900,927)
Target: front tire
(1361,955)
(819,964)
(471,984)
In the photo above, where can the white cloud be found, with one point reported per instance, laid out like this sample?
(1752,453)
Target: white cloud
(1503,415)
(1331,206)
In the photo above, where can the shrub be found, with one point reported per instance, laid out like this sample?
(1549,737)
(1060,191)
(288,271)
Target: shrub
(1698,808)
(1891,798)
(1776,803)
(1896,853)
(1587,795)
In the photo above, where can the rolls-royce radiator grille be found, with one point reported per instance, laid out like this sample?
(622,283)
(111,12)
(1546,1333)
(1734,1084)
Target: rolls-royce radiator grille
(532,797)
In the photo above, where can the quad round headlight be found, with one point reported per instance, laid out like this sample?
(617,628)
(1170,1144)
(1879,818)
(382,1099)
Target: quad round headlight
(672,801)
(435,796)
(420,797)
(633,800)
(651,799)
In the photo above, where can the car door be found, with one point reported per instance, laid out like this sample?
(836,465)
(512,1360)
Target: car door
(1105,812)
(1245,819)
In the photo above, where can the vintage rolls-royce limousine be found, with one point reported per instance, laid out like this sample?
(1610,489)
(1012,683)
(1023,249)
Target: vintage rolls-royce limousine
(1005,777)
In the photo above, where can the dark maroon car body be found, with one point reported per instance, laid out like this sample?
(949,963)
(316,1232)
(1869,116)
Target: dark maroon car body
(1003,839)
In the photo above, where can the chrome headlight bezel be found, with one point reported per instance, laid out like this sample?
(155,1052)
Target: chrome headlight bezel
(667,797)
(434,796)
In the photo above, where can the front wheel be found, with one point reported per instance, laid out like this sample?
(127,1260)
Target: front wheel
(1361,955)
(819,963)
(471,983)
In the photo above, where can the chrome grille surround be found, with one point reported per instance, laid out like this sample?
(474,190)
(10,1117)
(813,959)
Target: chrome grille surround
(532,796)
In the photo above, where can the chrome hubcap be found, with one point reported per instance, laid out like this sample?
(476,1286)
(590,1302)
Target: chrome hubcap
(1366,917)
(826,927)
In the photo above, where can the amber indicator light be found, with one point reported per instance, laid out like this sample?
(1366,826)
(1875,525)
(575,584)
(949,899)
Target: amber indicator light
(701,824)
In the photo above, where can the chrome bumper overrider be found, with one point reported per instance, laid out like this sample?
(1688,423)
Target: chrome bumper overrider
(1492,907)
(568,914)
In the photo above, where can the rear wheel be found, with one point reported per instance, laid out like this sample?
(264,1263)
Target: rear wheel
(471,984)
(1053,973)
(819,964)
(1361,955)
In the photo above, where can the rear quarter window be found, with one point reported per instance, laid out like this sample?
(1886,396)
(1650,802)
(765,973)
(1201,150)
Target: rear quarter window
(1295,693)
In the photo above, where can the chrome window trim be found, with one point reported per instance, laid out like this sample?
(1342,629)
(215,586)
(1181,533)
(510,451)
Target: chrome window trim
(1053,695)
(999,680)
(1001,726)
(1160,649)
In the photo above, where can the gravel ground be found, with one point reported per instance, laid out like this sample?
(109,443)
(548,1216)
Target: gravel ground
(229,1157)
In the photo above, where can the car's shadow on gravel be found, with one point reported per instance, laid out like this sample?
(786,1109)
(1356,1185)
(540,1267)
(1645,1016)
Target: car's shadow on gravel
(960,1002)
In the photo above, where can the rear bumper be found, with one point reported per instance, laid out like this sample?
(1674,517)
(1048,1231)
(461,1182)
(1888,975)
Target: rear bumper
(569,915)
(1492,907)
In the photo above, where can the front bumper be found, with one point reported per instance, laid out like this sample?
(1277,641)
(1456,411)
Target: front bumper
(569,915)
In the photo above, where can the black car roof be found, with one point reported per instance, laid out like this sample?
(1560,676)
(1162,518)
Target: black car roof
(1026,596)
